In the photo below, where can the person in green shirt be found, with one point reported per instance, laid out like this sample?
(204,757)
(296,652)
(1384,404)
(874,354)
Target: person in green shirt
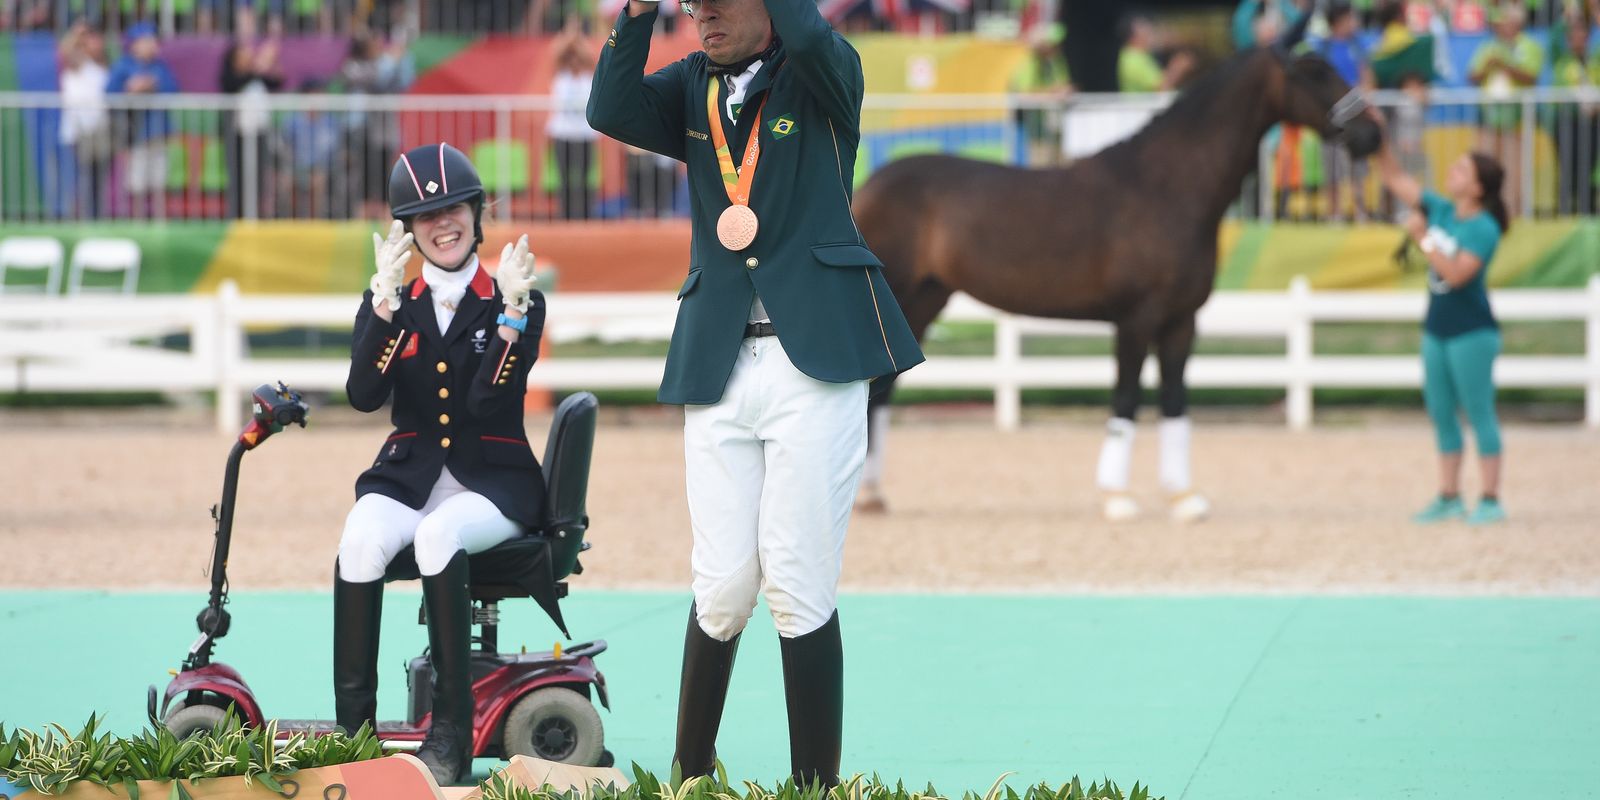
(1576,126)
(1509,61)
(1137,68)
(1501,66)
(1458,232)
(1042,76)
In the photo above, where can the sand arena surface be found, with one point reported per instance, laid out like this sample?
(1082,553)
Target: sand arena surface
(120,500)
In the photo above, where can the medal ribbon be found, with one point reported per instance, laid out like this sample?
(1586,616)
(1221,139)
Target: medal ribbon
(736,182)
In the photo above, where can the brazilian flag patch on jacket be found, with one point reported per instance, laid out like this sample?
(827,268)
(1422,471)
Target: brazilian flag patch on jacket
(782,126)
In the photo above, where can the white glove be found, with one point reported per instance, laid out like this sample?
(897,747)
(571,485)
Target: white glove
(1436,239)
(392,255)
(515,275)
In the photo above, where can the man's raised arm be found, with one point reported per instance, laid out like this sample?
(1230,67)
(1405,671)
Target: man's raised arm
(627,105)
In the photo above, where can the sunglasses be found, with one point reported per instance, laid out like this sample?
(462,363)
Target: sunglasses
(692,7)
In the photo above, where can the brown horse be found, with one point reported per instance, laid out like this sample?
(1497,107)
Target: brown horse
(1128,236)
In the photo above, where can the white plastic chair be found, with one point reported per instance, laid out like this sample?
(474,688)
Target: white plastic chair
(32,253)
(104,255)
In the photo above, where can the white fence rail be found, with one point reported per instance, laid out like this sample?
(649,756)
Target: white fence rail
(93,344)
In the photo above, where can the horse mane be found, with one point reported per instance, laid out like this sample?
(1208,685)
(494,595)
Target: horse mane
(1189,107)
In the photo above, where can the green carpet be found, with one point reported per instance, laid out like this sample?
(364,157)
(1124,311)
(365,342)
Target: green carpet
(1200,697)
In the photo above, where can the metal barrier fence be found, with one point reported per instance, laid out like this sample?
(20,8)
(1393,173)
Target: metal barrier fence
(483,16)
(107,345)
(317,156)
(325,17)
(320,17)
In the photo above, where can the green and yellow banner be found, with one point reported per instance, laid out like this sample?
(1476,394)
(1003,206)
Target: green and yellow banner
(650,255)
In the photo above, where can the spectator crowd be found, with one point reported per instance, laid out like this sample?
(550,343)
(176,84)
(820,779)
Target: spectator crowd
(1406,47)
(271,164)
(330,160)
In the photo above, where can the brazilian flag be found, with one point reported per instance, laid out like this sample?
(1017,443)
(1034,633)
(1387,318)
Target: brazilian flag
(1412,59)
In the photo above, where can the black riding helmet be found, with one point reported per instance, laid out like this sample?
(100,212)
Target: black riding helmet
(432,177)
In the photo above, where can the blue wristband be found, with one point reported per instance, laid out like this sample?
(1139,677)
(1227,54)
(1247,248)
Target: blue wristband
(520,324)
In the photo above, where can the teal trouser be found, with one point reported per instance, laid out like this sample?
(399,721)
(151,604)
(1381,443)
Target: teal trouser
(1458,375)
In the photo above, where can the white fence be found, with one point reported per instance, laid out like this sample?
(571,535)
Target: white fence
(101,344)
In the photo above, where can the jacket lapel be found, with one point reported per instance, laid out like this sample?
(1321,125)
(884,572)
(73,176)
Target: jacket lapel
(468,314)
(761,83)
(739,134)
(417,312)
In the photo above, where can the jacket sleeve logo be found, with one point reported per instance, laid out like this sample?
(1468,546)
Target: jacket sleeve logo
(782,126)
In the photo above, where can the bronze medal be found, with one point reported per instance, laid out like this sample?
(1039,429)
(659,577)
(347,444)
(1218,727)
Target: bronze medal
(736,228)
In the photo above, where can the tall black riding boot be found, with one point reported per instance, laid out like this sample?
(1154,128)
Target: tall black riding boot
(707,665)
(357,609)
(447,750)
(813,685)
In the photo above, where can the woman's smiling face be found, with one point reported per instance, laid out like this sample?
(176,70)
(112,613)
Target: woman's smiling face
(445,236)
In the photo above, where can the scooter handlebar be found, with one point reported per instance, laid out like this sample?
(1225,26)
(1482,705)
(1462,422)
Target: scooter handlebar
(272,408)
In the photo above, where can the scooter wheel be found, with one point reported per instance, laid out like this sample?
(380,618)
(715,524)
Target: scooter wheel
(185,721)
(555,724)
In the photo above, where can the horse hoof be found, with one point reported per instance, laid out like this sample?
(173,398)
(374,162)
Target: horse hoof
(871,504)
(1119,508)
(1190,507)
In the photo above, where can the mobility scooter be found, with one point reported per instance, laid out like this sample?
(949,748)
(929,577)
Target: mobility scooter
(536,704)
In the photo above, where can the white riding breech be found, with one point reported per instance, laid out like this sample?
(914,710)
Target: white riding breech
(772,470)
(454,518)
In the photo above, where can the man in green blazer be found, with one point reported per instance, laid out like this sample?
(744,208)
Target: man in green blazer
(784,318)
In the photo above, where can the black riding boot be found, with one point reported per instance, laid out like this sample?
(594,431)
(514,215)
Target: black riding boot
(447,750)
(813,685)
(357,609)
(707,665)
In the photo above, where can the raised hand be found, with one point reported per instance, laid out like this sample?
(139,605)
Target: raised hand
(391,255)
(515,276)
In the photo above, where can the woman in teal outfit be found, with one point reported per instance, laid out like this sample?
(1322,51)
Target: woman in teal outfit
(1458,233)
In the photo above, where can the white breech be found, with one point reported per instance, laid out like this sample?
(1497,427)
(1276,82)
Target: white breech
(772,470)
(452,519)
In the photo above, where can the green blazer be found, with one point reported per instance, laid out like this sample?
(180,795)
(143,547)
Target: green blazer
(821,286)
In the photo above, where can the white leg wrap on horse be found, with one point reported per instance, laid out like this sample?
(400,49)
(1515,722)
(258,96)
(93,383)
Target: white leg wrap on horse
(877,446)
(1175,454)
(1116,455)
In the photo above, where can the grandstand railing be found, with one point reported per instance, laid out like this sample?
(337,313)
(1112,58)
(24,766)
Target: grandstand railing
(207,17)
(491,16)
(217,17)
(315,156)
(91,344)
